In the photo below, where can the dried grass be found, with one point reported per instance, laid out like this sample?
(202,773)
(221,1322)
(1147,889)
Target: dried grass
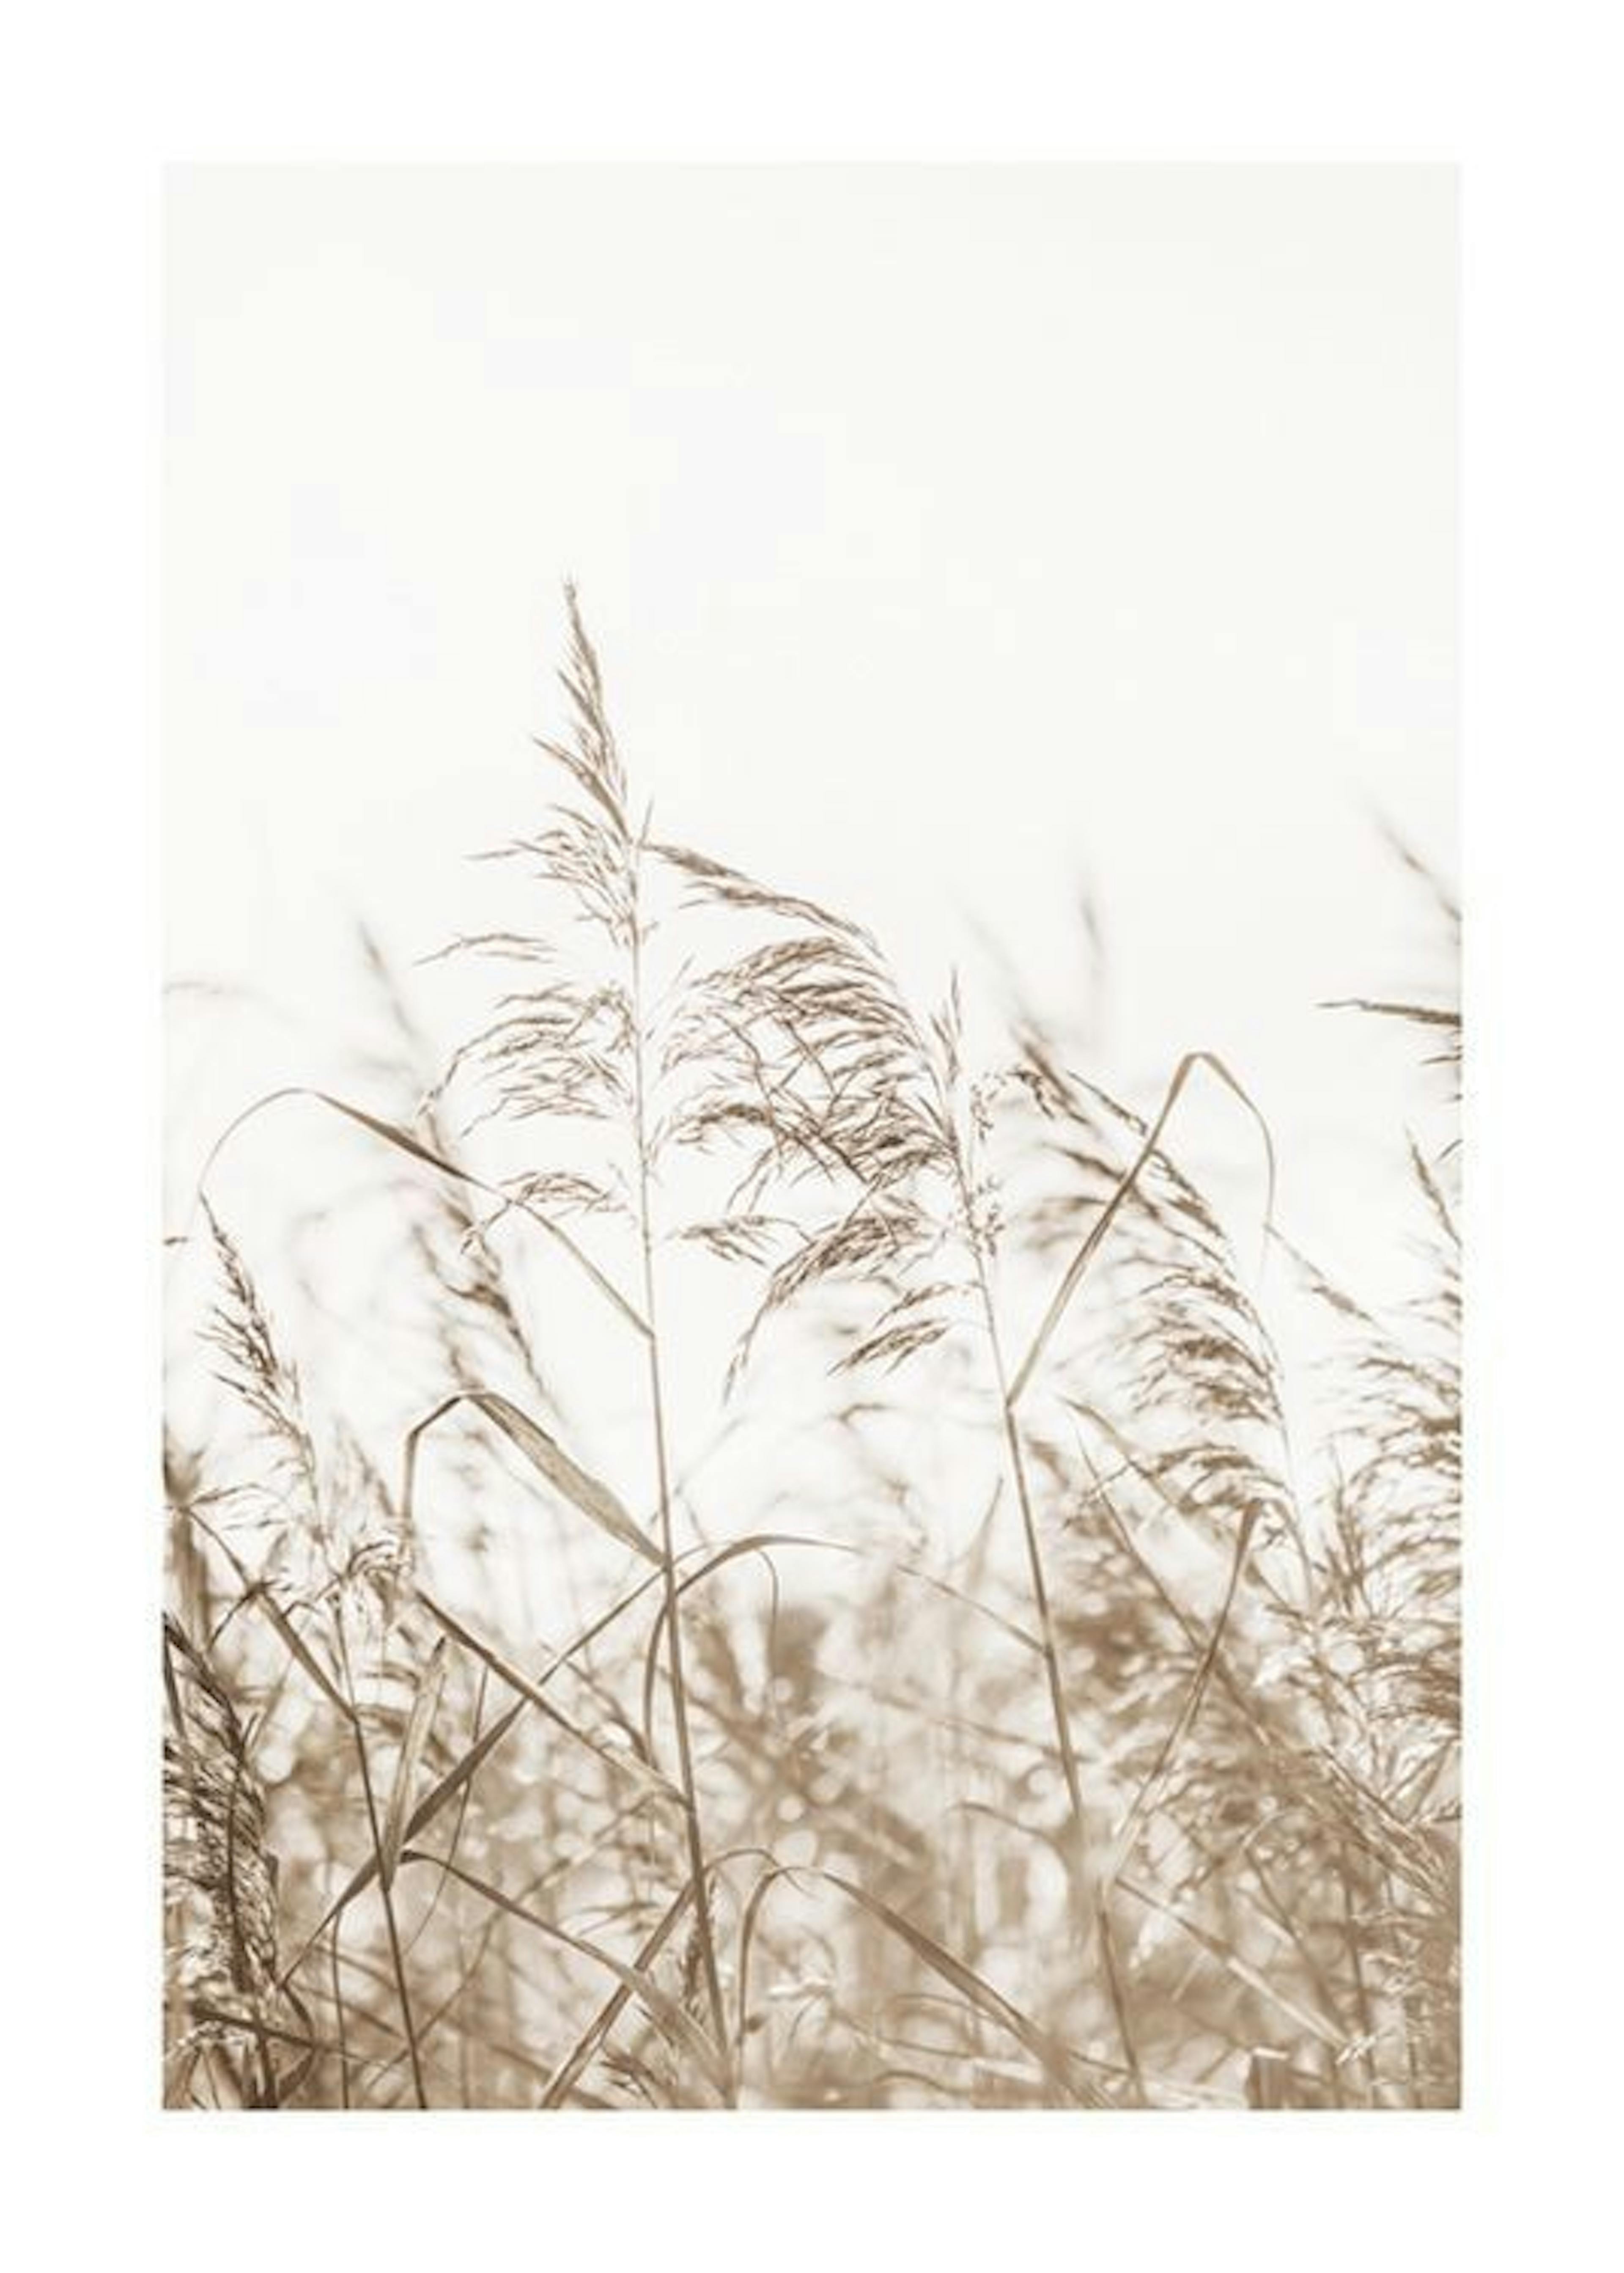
(1142,1790)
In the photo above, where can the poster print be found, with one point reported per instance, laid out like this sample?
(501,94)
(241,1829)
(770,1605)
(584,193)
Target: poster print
(811,1172)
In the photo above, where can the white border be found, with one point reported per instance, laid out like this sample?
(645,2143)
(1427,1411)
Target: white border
(100,98)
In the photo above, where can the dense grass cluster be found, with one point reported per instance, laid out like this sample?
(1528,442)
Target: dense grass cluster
(831,1604)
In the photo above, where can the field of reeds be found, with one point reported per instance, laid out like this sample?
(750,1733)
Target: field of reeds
(749,1541)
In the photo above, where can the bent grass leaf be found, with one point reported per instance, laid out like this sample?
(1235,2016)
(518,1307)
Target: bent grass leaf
(580,2057)
(1056,2060)
(413,1744)
(458,1777)
(664,2011)
(257,1594)
(1125,1188)
(403,1140)
(592,1497)
(648,1780)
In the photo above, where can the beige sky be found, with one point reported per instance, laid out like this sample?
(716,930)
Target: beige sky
(955,539)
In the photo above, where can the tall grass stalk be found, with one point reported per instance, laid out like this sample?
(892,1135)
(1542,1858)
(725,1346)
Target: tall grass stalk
(698,1867)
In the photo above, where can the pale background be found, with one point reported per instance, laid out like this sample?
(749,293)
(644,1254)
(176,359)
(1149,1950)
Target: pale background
(959,541)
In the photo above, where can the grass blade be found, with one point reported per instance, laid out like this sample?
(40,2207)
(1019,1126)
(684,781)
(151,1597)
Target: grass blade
(403,1140)
(664,2011)
(587,1493)
(424,1705)
(1056,2060)
(1107,1216)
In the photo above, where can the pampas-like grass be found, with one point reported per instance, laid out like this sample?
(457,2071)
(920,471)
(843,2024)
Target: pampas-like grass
(1033,1719)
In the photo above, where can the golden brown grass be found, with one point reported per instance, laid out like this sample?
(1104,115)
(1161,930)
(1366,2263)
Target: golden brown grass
(1028,1716)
